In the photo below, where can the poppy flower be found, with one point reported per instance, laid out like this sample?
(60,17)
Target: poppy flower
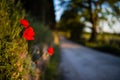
(50,51)
(24,22)
(29,33)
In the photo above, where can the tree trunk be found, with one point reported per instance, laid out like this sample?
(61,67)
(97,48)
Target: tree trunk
(51,15)
(93,20)
(43,10)
(93,36)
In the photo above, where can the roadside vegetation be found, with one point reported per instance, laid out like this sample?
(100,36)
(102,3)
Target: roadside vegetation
(106,42)
(15,59)
(52,69)
(79,14)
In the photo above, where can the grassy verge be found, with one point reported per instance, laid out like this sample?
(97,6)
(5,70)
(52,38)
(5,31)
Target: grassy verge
(44,36)
(106,42)
(51,72)
(113,48)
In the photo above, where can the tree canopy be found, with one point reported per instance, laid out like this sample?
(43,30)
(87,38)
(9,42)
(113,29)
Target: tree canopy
(92,11)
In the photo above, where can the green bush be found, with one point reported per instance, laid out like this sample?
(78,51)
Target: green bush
(15,63)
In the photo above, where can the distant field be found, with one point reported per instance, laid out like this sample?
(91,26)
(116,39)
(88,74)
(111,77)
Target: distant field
(104,36)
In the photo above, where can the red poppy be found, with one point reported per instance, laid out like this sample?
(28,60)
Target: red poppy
(50,51)
(24,22)
(29,33)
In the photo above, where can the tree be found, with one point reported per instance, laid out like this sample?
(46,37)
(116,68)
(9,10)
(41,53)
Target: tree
(51,14)
(92,11)
(70,22)
(43,10)
(93,19)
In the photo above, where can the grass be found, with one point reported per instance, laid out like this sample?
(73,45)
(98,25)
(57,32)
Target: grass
(52,72)
(106,42)
(15,62)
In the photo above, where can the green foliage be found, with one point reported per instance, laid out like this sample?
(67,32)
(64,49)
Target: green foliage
(92,11)
(52,72)
(15,64)
(43,35)
(112,48)
(70,22)
(111,43)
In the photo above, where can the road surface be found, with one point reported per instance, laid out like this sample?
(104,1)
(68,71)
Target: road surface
(82,63)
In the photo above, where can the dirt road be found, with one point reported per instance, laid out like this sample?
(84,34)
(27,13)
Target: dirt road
(82,63)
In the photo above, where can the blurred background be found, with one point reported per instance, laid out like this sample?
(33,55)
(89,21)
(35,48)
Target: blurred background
(93,23)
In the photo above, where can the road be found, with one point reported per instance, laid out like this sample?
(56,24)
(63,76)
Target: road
(82,63)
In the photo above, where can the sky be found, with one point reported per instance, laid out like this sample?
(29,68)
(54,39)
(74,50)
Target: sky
(58,10)
(105,27)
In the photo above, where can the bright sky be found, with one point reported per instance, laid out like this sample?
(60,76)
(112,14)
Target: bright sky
(105,27)
(58,10)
